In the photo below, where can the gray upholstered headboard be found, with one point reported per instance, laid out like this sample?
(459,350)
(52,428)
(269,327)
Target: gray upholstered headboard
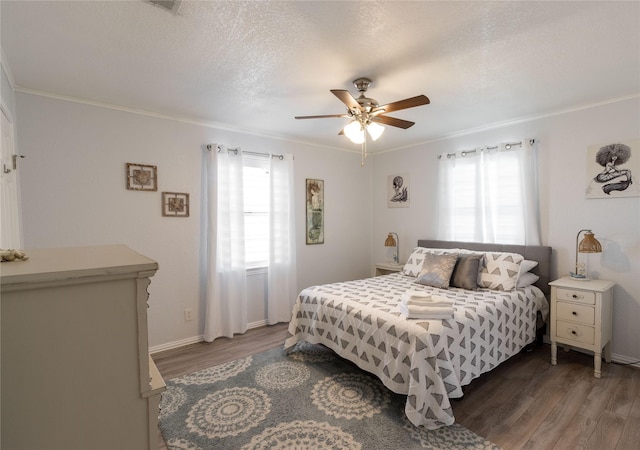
(539,253)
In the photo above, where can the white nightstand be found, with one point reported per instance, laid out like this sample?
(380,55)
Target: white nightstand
(581,317)
(386,268)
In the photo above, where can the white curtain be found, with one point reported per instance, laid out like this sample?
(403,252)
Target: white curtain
(490,195)
(282,289)
(528,161)
(10,229)
(226,288)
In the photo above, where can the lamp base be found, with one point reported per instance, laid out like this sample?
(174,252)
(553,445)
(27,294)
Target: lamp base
(578,277)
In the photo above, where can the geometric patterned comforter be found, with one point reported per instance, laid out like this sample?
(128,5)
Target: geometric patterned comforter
(427,360)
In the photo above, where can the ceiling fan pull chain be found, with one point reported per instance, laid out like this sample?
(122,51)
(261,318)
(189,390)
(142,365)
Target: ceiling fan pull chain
(364,149)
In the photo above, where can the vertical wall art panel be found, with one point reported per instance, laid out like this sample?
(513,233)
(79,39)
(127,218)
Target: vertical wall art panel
(610,168)
(315,211)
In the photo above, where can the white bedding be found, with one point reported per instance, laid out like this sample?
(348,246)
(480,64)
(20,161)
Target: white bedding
(427,360)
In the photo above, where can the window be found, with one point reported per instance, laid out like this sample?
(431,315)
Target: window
(489,195)
(256,185)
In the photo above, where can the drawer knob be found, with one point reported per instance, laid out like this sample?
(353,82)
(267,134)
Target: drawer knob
(575,296)
(574,313)
(574,332)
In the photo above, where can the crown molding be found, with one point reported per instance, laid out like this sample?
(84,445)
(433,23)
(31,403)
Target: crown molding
(223,127)
(188,120)
(516,121)
(4,63)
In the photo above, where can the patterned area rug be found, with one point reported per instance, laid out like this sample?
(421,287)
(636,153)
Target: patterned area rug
(310,399)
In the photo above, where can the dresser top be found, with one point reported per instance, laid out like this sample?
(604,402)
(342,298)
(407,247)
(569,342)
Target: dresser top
(58,264)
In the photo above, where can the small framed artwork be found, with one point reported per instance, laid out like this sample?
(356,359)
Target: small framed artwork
(398,194)
(175,204)
(315,212)
(610,168)
(142,177)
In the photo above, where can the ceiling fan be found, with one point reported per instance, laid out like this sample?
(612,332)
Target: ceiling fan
(366,113)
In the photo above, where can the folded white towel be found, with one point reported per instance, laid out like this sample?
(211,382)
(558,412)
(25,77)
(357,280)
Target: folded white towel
(410,303)
(417,294)
(433,300)
(430,309)
(445,312)
(431,317)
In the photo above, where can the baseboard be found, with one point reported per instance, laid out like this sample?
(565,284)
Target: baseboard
(176,344)
(616,358)
(194,340)
(621,359)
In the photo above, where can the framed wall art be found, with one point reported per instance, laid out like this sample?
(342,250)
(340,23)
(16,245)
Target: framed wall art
(315,212)
(175,204)
(398,191)
(610,169)
(142,177)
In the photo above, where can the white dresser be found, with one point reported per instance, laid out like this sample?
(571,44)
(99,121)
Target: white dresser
(76,371)
(581,316)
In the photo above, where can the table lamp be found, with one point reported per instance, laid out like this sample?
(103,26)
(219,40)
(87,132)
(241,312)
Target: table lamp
(393,242)
(589,244)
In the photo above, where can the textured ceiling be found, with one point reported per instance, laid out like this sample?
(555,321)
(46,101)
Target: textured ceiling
(253,66)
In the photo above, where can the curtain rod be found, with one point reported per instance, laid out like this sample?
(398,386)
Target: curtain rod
(507,146)
(235,150)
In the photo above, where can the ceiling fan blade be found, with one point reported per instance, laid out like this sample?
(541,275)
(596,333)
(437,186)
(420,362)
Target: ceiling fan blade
(346,98)
(394,122)
(322,117)
(412,102)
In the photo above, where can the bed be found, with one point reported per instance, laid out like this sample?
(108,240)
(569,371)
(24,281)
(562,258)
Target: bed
(429,361)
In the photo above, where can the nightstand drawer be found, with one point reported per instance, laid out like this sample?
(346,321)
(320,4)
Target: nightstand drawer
(576,332)
(574,295)
(577,313)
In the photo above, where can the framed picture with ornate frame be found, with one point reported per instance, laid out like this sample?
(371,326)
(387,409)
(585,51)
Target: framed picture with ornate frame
(175,204)
(141,177)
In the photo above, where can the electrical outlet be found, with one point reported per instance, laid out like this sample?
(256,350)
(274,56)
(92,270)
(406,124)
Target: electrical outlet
(188,315)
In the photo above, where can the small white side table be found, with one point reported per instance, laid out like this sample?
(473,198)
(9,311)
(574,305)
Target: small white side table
(581,314)
(386,268)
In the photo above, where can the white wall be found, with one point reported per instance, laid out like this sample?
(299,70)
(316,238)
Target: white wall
(7,96)
(73,192)
(562,142)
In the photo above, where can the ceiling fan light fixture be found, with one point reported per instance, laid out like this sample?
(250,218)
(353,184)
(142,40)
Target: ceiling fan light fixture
(367,114)
(375,130)
(353,130)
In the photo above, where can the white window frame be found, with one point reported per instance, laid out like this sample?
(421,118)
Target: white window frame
(490,195)
(256,186)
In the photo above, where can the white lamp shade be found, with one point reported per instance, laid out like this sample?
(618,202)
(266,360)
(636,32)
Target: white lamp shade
(375,130)
(354,132)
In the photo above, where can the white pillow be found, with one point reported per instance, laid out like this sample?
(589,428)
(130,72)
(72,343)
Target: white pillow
(413,266)
(527,265)
(500,271)
(527,279)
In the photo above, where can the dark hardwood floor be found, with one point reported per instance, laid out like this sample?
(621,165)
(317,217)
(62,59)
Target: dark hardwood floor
(525,403)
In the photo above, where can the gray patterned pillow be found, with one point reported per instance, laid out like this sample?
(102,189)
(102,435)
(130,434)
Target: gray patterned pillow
(500,271)
(413,266)
(436,270)
(465,273)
